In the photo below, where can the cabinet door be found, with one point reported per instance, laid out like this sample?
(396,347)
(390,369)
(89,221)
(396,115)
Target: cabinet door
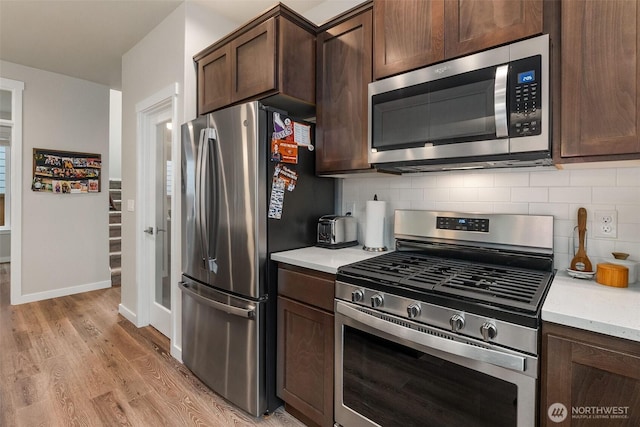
(253,66)
(344,71)
(214,80)
(600,102)
(587,372)
(474,25)
(408,35)
(305,360)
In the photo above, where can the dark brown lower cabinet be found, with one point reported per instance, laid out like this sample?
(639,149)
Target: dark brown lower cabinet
(305,344)
(589,379)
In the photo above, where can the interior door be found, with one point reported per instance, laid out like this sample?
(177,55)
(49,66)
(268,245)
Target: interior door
(158,217)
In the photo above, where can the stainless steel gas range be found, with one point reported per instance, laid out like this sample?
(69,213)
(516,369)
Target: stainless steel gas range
(445,330)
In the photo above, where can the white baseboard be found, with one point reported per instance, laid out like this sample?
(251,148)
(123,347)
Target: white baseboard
(63,292)
(176,352)
(128,314)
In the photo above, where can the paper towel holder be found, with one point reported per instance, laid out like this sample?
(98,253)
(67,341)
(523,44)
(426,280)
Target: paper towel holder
(374,248)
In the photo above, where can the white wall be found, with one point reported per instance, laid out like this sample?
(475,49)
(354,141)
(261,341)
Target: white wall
(555,192)
(115,134)
(64,246)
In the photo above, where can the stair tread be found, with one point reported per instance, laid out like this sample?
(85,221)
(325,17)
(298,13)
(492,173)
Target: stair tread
(119,224)
(115,253)
(115,238)
(116,270)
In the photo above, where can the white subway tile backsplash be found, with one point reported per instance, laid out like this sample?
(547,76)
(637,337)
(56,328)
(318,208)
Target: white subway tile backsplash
(511,208)
(557,210)
(400,182)
(616,195)
(593,178)
(478,180)
(494,194)
(477,207)
(570,194)
(511,179)
(628,177)
(437,194)
(450,180)
(561,245)
(559,193)
(628,232)
(464,194)
(629,214)
(423,205)
(411,194)
(529,194)
(564,227)
(549,179)
(424,181)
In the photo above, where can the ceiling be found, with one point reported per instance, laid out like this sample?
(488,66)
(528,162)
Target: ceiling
(87,38)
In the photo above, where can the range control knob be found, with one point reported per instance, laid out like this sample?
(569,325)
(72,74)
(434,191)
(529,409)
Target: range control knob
(357,295)
(377,300)
(488,331)
(413,310)
(456,322)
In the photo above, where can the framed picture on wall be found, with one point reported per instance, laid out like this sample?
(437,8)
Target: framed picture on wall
(66,172)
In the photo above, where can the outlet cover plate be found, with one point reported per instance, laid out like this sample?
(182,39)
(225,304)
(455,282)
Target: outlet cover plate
(605,224)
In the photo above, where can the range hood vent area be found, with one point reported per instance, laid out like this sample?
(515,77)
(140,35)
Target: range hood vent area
(400,168)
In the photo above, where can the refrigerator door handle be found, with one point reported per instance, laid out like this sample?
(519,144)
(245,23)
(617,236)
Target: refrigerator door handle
(206,162)
(248,313)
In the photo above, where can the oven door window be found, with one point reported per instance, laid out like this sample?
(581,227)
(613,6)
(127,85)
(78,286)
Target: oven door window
(455,109)
(393,385)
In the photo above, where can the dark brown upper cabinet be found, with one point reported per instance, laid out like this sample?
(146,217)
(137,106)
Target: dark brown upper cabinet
(599,104)
(408,34)
(411,34)
(344,71)
(272,56)
(475,25)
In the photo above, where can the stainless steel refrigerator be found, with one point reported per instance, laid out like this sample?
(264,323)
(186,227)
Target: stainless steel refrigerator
(229,228)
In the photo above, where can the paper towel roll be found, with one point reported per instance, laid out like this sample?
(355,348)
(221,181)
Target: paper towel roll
(375,212)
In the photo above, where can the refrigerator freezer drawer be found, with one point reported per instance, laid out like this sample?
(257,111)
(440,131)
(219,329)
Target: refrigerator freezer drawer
(222,344)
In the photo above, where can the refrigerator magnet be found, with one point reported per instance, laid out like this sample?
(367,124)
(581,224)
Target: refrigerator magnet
(276,201)
(284,151)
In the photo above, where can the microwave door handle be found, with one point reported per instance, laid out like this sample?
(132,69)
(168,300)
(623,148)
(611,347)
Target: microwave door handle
(500,101)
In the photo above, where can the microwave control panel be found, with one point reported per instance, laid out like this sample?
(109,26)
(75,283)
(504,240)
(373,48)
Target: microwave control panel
(525,97)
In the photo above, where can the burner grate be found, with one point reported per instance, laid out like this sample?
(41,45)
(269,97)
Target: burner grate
(493,284)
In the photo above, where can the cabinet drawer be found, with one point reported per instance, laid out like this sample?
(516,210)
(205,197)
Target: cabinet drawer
(307,286)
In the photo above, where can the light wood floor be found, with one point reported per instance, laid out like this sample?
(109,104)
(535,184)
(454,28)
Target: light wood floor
(74,361)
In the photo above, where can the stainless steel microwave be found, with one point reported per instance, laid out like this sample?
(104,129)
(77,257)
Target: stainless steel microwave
(489,109)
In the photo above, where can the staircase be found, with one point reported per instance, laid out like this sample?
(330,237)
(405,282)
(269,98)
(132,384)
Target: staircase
(115,225)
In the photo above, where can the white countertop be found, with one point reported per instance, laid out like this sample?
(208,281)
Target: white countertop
(322,259)
(587,305)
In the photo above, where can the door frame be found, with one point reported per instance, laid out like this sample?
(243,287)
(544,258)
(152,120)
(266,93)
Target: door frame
(15,169)
(145,110)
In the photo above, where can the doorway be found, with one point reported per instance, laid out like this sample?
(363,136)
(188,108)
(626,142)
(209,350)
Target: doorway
(157,140)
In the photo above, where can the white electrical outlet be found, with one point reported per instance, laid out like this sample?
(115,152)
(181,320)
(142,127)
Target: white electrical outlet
(606,224)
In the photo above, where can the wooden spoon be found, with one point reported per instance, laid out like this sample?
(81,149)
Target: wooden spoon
(580,261)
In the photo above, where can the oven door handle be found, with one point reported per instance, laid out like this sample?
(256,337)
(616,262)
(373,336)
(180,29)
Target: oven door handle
(497,358)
